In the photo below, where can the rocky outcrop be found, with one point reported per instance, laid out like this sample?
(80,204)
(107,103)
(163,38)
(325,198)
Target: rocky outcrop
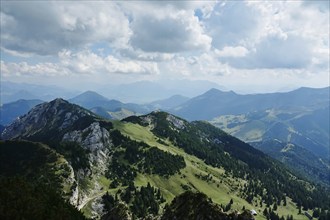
(60,121)
(176,122)
(55,115)
(96,139)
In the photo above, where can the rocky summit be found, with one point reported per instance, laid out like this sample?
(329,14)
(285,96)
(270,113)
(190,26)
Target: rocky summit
(65,126)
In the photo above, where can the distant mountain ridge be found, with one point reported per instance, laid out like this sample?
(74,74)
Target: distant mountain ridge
(214,102)
(10,111)
(111,109)
(309,129)
(298,118)
(298,158)
(90,99)
(169,103)
(143,92)
(104,106)
(11,92)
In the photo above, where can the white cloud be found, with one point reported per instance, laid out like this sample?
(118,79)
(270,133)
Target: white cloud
(47,27)
(175,32)
(232,23)
(82,63)
(277,53)
(91,63)
(270,80)
(232,52)
(195,67)
(276,34)
(137,54)
(321,5)
(224,40)
(10,70)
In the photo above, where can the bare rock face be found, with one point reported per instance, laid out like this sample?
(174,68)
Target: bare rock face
(60,121)
(97,140)
(55,115)
(176,122)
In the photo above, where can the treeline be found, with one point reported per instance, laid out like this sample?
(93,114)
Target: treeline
(22,199)
(35,162)
(267,179)
(141,201)
(190,205)
(161,163)
(130,156)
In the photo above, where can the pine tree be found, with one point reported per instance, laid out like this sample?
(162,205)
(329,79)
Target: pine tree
(265,212)
(284,201)
(275,206)
(316,213)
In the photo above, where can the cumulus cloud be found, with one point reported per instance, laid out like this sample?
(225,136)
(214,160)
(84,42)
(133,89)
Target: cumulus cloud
(176,32)
(232,52)
(195,67)
(9,70)
(138,54)
(320,5)
(193,39)
(47,27)
(84,62)
(275,35)
(232,23)
(91,63)
(274,52)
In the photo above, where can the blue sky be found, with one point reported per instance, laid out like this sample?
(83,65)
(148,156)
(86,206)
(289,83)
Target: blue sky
(256,45)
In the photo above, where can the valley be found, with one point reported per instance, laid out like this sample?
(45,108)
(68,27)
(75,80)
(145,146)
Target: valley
(115,163)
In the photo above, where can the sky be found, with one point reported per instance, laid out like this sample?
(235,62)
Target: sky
(241,45)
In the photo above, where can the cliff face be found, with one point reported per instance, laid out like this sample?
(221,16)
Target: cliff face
(59,122)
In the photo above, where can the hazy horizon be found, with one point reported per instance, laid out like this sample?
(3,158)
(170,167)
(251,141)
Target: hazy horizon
(140,92)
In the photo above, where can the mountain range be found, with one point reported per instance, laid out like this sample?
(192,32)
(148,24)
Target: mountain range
(142,92)
(94,100)
(134,167)
(10,111)
(298,118)
(215,103)
(107,108)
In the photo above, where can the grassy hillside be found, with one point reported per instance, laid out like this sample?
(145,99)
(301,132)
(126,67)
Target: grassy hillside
(218,185)
(308,130)
(297,158)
